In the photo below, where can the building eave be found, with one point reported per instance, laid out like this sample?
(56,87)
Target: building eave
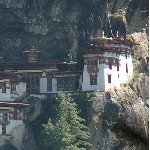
(6,103)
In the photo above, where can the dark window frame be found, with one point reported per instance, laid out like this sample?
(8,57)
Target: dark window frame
(127,68)
(66,84)
(109,78)
(92,61)
(93,79)
(33,84)
(49,84)
(126,55)
(118,67)
(110,64)
(4,89)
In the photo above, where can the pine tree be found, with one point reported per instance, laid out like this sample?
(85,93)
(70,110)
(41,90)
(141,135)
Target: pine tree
(68,131)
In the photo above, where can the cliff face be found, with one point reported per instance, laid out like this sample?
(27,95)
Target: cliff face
(52,26)
(56,26)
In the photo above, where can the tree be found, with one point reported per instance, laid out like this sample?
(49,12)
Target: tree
(67,132)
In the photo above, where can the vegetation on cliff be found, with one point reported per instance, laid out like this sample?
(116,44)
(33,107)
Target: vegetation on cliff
(67,131)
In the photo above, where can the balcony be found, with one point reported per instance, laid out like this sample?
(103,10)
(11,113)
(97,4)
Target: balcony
(92,68)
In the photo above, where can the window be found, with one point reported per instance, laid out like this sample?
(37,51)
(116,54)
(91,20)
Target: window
(13,88)
(6,117)
(15,114)
(1,117)
(126,55)
(93,79)
(4,89)
(66,84)
(4,129)
(110,64)
(117,65)
(92,61)
(109,78)
(118,75)
(49,84)
(95,62)
(33,84)
(126,68)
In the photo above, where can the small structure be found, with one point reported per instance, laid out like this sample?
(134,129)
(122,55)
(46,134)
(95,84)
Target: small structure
(11,87)
(107,64)
(11,115)
(32,55)
(5,90)
(41,77)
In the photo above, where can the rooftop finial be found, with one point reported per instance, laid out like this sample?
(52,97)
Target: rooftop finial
(33,47)
(32,54)
(117,35)
(70,55)
(103,34)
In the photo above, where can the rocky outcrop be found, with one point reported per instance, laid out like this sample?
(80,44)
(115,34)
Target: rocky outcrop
(53,26)
(123,123)
(56,26)
(7,146)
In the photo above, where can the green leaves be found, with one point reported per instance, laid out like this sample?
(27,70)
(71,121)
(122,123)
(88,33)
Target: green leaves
(67,132)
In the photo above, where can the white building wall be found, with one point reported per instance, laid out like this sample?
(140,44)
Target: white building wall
(13,124)
(54,85)
(123,75)
(130,66)
(122,70)
(5,96)
(43,85)
(117,77)
(100,80)
(114,76)
(21,88)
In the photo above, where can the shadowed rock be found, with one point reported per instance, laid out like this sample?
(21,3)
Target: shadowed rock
(7,146)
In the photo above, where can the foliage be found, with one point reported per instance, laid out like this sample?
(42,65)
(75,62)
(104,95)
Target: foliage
(122,99)
(135,74)
(67,132)
(83,101)
(119,15)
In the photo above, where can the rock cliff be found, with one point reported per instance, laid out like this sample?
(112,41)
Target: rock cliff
(55,27)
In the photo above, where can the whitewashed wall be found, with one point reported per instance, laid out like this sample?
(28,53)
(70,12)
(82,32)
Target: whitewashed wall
(21,88)
(54,85)
(5,96)
(13,124)
(43,85)
(100,79)
(123,75)
(117,77)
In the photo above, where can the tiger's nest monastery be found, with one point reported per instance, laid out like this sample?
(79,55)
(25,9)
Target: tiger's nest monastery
(107,64)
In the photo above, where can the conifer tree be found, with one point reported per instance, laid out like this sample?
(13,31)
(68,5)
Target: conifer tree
(68,131)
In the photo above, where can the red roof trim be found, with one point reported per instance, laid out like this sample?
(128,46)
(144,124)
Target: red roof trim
(30,63)
(14,103)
